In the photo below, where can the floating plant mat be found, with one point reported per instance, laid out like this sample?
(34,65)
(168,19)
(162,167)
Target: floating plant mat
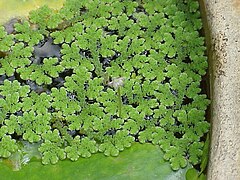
(98,76)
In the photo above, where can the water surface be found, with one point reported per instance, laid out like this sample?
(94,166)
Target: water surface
(19,8)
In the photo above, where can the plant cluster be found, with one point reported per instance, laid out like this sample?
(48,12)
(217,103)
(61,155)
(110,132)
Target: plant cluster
(96,76)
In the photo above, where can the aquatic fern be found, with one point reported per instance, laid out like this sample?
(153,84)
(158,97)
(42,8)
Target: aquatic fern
(96,76)
(51,147)
(6,41)
(70,56)
(38,103)
(116,143)
(33,125)
(12,92)
(61,102)
(51,152)
(17,58)
(42,74)
(67,35)
(10,87)
(7,146)
(44,18)
(26,33)
(83,147)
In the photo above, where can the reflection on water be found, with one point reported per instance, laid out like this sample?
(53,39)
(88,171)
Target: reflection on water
(15,8)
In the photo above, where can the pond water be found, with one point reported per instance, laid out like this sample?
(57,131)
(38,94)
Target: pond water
(19,8)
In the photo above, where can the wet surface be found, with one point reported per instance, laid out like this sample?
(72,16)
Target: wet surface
(17,8)
(48,49)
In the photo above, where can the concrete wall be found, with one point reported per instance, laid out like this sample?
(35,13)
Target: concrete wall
(222,28)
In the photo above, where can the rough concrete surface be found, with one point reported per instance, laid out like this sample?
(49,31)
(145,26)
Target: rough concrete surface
(223,21)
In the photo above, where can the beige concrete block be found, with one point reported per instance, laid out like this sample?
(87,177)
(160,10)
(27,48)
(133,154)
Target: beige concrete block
(222,26)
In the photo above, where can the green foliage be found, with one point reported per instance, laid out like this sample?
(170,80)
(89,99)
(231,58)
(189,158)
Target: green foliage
(71,8)
(44,17)
(205,155)
(38,103)
(67,35)
(81,147)
(12,125)
(7,146)
(116,143)
(123,71)
(26,33)
(6,41)
(51,152)
(33,125)
(61,102)
(51,148)
(71,57)
(42,74)
(17,58)
(9,87)
(12,93)
(194,173)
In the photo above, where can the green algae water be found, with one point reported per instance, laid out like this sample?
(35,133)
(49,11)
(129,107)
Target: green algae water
(20,8)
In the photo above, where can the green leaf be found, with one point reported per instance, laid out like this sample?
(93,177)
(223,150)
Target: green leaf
(42,74)
(10,87)
(71,9)
(10,103)
(141,157)
(94,88)
(122,140)
(201,102)
(67,35)
(17,58)
(193,6)
(193,89)
(49,67)
(158,135)
(52,136)
(71,57)
(202,177)
(192,174)
(3,131)
(205,154)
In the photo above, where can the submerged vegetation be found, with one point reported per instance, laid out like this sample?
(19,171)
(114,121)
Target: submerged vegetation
(97,76)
